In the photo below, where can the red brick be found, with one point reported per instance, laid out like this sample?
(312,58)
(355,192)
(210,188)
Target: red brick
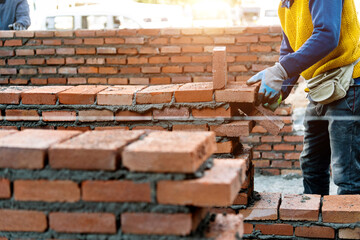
(80,94)
(47,70)
(263,147)
(226,227)
(285,147)
(170,49)
(119,81)
(36,61)
(156,94)
(260,48)
(96,116)
(225,147)
(218,187)
(190,127)
(349,233)
(46,51)
(88,70)
(266,208)
(114,41)
(341,208)
(237,49)
(11,94)
(300,207)
(83,222)
(85,51)
(194,92)
(21,115)
(169,152)
(248,228)
(127,51)
(5,191)
(75,60)
(135,40)
(56,80)
(118,95)
(150,69)
(137,60)
(106,50)
(272,155)
(139,81)
(64,33)
(172,69)
(43,34)
(171,113)
(158,59)
(159,223)
(59,116)
(201,59)
(105,33)
(51,42)
(181,59)
(94,41)
(247,39)
(180,40)
(261,163)
(149,128)
(219,112)
(28,71)
(6,53)
(192,49)
(65,51)
(159,41)
(191,31)
(93,150)
(275,229)
(7,71)
(19,61)
(31,221)
(75,41)
(95,61)
(294,138)
(268,120)
(108,70)
(7,34)
(233,129)
(13,43)
(191,69)
(271,139)
(42,95)
(259,129)
(214,31)
(293,155)
(19,81)
(160,80)
(182,79)
(46,191)
(116,191)
(281,164)
(132,116)
(130,70)
(202,40)
(315,232)
(236,93)
(270,38)
(27,149)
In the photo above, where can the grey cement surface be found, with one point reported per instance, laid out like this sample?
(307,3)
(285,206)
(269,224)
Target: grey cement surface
(290,184)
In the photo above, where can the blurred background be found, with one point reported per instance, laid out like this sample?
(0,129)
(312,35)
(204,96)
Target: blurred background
(120,14)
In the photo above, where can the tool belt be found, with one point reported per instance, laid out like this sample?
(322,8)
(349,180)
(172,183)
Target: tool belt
(331,85)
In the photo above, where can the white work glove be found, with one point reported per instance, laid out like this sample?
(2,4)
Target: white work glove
(16,26)
(271,81)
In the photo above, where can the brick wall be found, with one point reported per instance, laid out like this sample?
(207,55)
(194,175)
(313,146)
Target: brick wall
(115,184)
(144,56)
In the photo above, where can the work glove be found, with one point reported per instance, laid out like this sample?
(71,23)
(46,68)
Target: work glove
(271,79)
(16,26)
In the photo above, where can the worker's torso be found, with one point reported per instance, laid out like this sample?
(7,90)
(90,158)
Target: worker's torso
(8,13)
(297,24)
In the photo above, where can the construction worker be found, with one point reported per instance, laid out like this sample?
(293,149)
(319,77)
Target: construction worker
(318,37)
(14,15)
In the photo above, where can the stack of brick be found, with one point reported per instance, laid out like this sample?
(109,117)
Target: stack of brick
(303,217)
(115,184)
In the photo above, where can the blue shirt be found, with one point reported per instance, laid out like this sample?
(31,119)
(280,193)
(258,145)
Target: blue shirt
(14,11)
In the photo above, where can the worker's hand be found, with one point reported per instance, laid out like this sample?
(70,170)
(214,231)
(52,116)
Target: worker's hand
(16,26)
(271,82)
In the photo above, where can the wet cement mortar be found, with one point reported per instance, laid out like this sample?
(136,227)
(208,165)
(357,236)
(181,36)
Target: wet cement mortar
(285,184)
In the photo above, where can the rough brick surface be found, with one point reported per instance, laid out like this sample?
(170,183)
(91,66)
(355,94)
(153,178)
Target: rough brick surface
(275,229)
(341,208)
(156,94)
(218,187)
(266,208)
(158,224)
(300,207)
(235,92)
(194,92)
(46,191)
(82,222)
(31,221)
(270,121)
(219,68)
(11,94)
(80,94)
(169,152)
(27,149)
(233,129)
(315,232)
(5,191)
(92,150)
(42,95)
(226,227)
(349,233)
(116,191)
(118,95)
(4,133)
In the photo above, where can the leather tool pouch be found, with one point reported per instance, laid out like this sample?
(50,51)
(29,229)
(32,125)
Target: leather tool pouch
(331,85)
